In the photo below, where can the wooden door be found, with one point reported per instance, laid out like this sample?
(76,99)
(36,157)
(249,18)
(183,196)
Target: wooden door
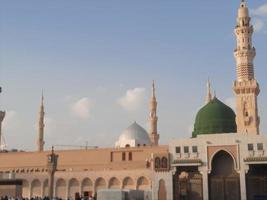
(216,189)
(224,188)
(231,188)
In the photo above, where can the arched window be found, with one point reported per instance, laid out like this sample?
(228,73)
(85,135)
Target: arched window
(127,145)
(157,162)
(164,162)
(130,156)
(123,156)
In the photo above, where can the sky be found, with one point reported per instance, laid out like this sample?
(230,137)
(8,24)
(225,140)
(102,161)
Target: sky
(95,62)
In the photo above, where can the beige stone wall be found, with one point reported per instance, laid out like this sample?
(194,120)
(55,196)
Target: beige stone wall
(84,170)
(80,160)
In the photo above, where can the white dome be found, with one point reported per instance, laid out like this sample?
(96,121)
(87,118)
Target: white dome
(133,136)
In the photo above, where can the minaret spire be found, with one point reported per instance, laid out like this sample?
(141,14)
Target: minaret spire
(153,90)
(154,136)
(209,94)
(245,87)
(40,141)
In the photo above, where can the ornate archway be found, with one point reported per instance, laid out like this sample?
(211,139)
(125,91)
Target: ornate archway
(36,188)
(128,183)
(114,183)
(224,181)
(61,188)
(45,188)
(87,187)
(187,183)
(162,192)
(25,189)
(100,183)
(74,188)
(143,183)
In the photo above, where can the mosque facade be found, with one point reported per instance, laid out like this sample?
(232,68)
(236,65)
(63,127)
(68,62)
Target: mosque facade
(224,158)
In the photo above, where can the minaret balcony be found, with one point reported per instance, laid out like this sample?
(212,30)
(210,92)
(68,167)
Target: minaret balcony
(245,52)
(246,86)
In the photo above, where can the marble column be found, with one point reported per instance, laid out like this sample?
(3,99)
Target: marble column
(242,175)
(205,184)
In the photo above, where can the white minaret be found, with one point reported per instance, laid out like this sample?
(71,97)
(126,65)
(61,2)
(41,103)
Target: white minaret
(154,136)
(245,87)
(40,141)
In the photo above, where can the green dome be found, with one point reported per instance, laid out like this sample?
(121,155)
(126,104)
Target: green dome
(214,117)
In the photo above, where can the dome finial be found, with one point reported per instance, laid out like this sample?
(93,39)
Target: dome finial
(209,94)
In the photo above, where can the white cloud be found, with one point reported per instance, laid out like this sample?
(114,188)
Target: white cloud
(260,19)
(258,24)
(260,11)
(82,108)
(133,99)
(231,101)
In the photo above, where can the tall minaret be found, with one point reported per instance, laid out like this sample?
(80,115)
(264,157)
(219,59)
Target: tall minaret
(40,141)
(154,136)
(209,94)
(245,87)
(2,116)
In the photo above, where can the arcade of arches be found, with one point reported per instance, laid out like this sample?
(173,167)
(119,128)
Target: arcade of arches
(87,187)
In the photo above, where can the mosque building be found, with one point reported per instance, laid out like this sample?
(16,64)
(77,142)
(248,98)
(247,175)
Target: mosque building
(224,158)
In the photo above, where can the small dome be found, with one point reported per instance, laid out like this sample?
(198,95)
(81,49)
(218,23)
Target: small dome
(133,136)
(214,117)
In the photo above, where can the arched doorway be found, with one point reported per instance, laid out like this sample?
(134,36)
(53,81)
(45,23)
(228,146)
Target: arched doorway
(223,180)
(36,188)
(162,193)
(45,188)
(87,188)
(187,183)
(100,183)
(114,183)
(74,188)
(61,188)
(25,189)
(143,184)
(128,183)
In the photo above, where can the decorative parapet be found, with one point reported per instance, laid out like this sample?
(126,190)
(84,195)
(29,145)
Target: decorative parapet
(187,162)
(162,170)
(256,159)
